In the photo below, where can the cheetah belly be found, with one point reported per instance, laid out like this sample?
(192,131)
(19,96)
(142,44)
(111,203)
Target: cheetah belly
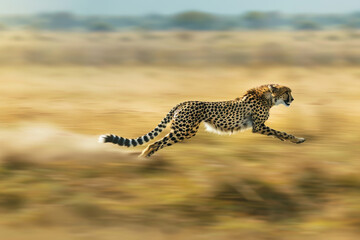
(213,129)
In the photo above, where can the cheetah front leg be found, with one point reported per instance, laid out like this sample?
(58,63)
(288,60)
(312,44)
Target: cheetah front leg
(265,130)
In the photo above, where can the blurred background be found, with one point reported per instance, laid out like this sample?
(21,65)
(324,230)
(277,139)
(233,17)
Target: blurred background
(72,70)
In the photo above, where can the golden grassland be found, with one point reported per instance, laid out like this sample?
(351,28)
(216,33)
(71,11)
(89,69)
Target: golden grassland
(303,48)
(56,180)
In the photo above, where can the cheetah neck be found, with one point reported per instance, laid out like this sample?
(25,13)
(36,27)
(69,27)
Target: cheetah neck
(267,101)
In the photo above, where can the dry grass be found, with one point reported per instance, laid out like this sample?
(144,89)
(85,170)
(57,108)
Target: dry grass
(181,48)
(55,180)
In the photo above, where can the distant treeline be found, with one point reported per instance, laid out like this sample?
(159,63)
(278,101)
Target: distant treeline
(190,20)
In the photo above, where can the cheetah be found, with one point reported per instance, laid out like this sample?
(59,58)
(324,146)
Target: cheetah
(249,111)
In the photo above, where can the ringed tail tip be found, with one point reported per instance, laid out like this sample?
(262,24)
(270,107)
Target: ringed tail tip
(102,138)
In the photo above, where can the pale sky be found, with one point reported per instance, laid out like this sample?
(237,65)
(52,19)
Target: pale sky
(138,7)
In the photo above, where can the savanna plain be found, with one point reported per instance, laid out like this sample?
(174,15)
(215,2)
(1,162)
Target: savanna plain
(59,91)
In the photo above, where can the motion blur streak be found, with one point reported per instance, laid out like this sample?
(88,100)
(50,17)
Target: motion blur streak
(59,90)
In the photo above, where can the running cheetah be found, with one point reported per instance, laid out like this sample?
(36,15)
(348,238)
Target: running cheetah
(249,111)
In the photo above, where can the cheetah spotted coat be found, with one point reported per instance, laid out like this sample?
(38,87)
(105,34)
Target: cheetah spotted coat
(249,111)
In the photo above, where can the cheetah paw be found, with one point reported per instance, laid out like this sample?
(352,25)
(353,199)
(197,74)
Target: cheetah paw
(300,140)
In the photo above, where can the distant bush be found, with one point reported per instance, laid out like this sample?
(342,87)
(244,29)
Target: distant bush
(353,22)
(307,25)
(100,27)
(194,20)
(191,20)
(255,20)
(57,21)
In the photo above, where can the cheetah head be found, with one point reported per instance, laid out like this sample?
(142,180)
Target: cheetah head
(280,94)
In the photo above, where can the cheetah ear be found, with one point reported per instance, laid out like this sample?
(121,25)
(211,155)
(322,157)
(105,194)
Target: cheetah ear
(272,88)
(268,95)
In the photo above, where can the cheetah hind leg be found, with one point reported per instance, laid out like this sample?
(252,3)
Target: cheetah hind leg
(150,149)
(168,140)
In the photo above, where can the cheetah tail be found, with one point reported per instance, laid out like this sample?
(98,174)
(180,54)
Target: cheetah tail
(140,140)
